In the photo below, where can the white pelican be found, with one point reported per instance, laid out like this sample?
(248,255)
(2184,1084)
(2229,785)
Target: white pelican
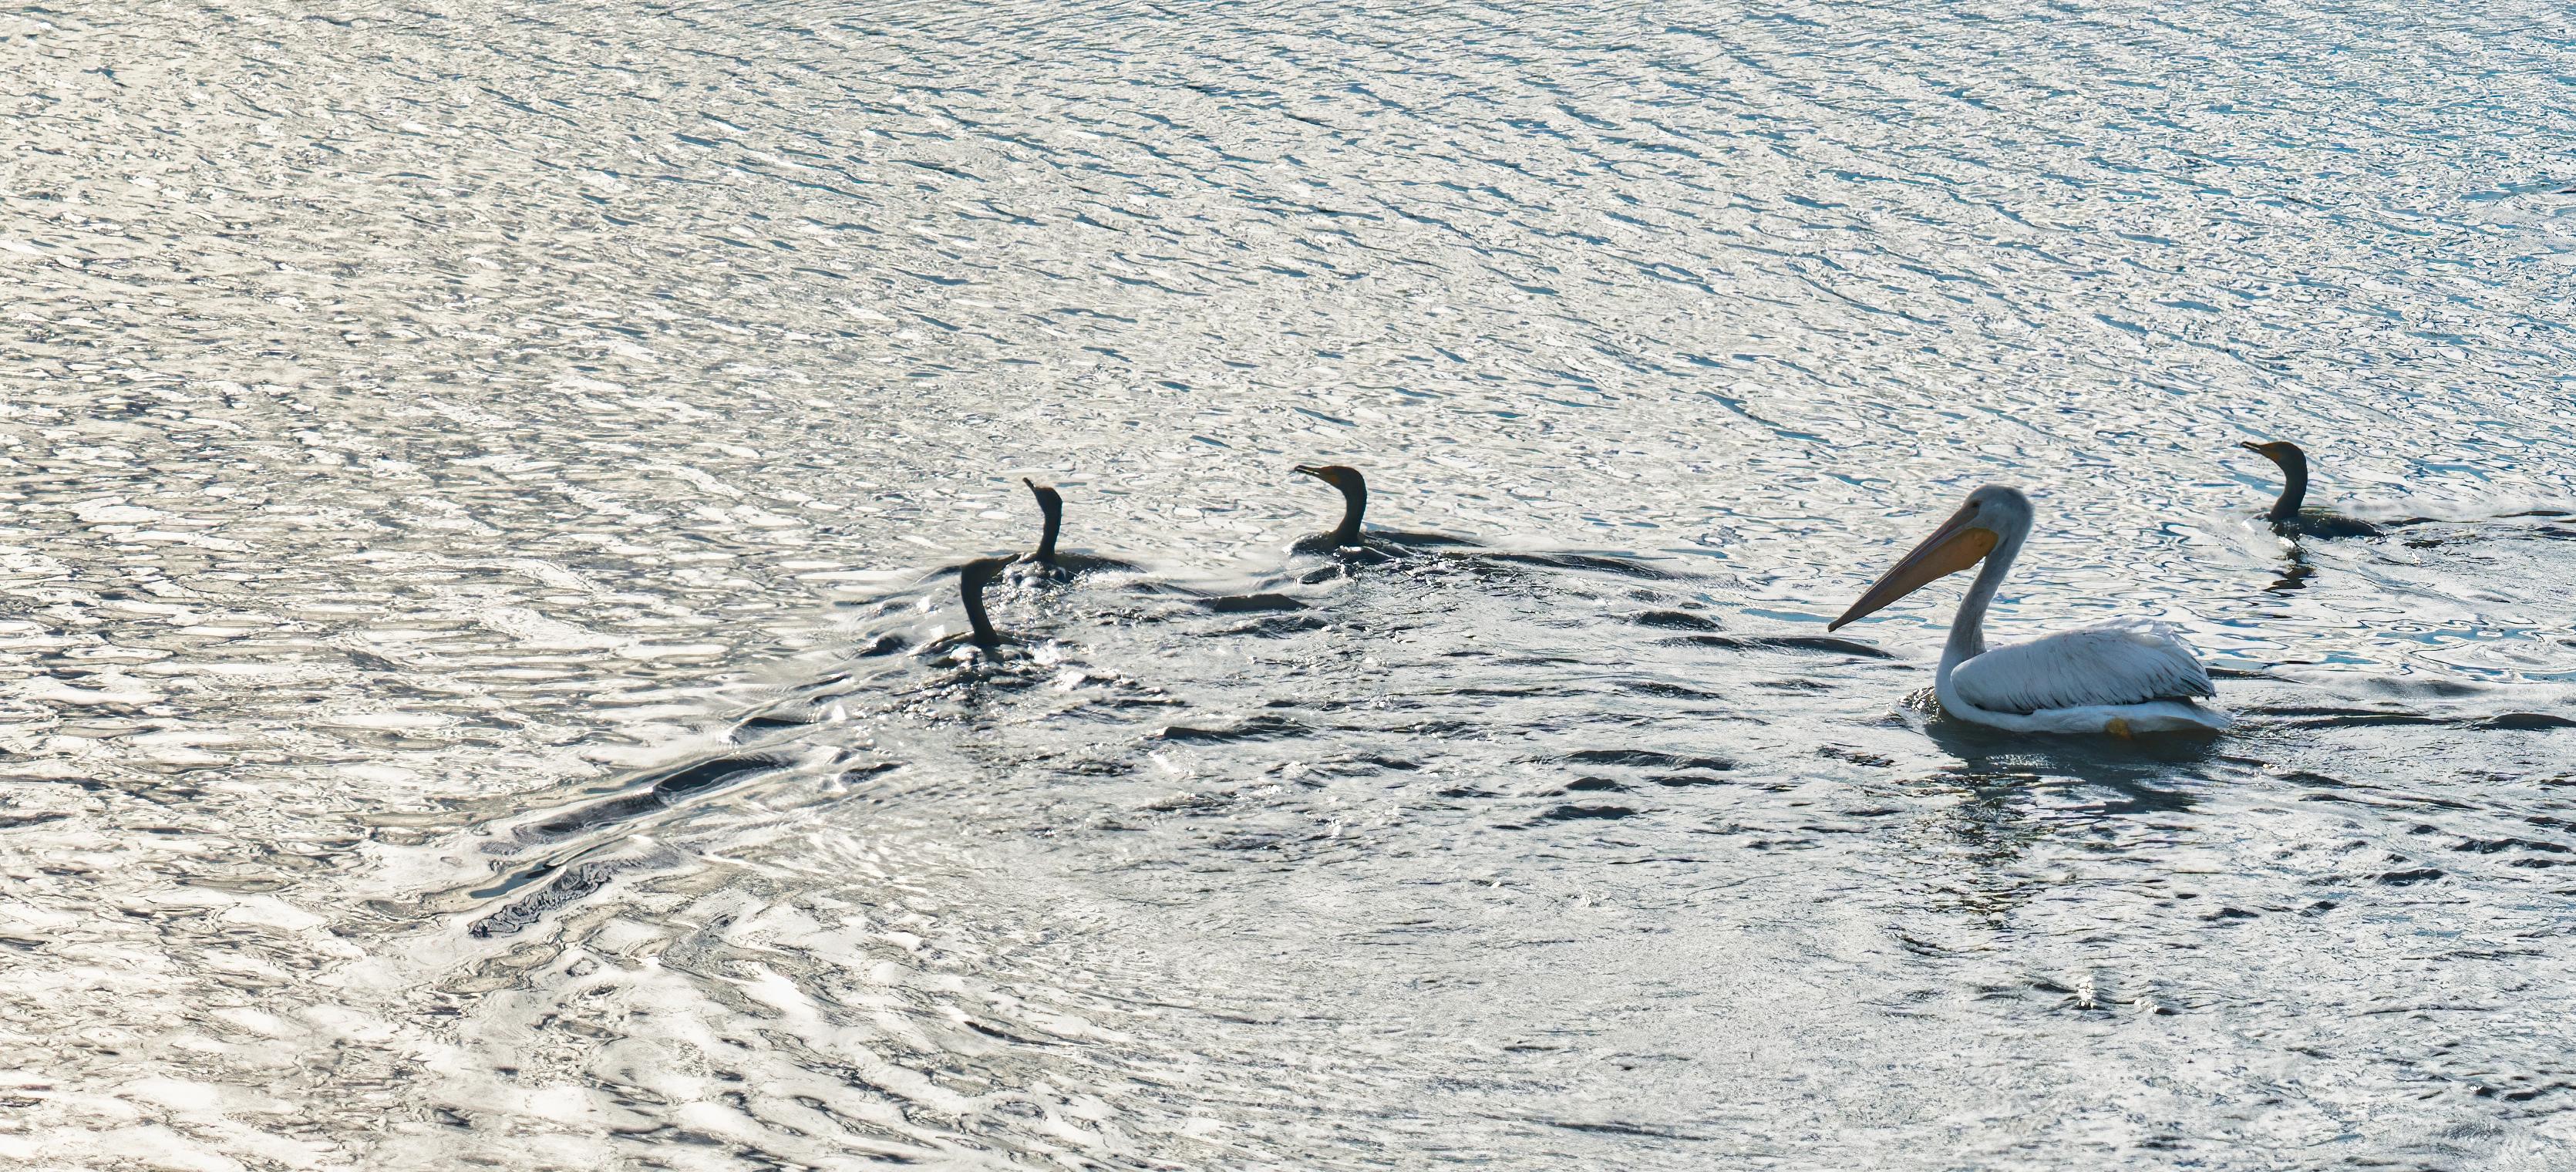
(2121,679)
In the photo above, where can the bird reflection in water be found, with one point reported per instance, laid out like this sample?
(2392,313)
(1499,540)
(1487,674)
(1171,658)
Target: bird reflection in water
(2294,577)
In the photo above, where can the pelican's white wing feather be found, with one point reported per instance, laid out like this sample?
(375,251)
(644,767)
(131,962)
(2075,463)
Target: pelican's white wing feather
(2128,663)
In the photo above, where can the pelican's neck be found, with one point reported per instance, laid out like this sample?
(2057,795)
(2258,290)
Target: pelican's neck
(1354,503)
(2294,486)
(1054,521)
(1968,629)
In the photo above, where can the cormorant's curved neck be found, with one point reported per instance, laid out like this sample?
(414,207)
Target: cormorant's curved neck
(970,588)
(2294,487)
(1354,505)
(1053,506)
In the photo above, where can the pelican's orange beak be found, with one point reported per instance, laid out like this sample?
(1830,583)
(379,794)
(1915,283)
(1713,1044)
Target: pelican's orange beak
(1955,546)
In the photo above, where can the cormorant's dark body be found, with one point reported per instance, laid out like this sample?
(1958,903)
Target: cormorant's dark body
(1354,506)
(1044,561)
(1347,540)
(2286,515)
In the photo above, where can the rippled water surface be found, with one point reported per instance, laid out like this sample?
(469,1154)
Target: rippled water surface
(474,480)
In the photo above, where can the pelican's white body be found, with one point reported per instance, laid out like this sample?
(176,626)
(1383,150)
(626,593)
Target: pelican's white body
(2122,678)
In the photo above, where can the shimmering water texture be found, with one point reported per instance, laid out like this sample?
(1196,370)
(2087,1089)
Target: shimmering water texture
(478,684)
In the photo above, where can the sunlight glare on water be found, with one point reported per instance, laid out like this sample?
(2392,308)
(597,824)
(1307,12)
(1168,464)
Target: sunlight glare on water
(476,478)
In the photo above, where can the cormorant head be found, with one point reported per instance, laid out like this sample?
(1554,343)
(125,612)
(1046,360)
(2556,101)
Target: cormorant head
(1341,476)
(2281,452)
(1354,497)
(2294,476)
(1050,502)
(975,575)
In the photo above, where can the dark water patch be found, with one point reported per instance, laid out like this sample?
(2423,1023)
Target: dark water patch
(2428,687)
(707,775)
(1643,759)
(2488,846)
(2524,721)
(1414,539)
(1258,728)
(2373,720)
(1191,803)
(1440,729)
(1577,812)
(1068,568)
(1246,603)
(1675,620)
(1276,628)
(1640,1130)
(570,884)
(1252,840)
(771,722)
(1818,643)
(1856,756)
(1667,690)
(658,791)
(2407,878)
(1581,562)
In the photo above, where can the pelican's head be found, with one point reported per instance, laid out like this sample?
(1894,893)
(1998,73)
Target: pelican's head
(1969,535)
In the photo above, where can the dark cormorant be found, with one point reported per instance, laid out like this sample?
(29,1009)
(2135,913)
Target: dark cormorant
(2286,516)
(1347,542)
(1045,561)
(971,579)
(1354,504)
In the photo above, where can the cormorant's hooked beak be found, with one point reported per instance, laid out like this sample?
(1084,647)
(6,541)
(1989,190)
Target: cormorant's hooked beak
(1955,546)
(1317,471)
(2274,451)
